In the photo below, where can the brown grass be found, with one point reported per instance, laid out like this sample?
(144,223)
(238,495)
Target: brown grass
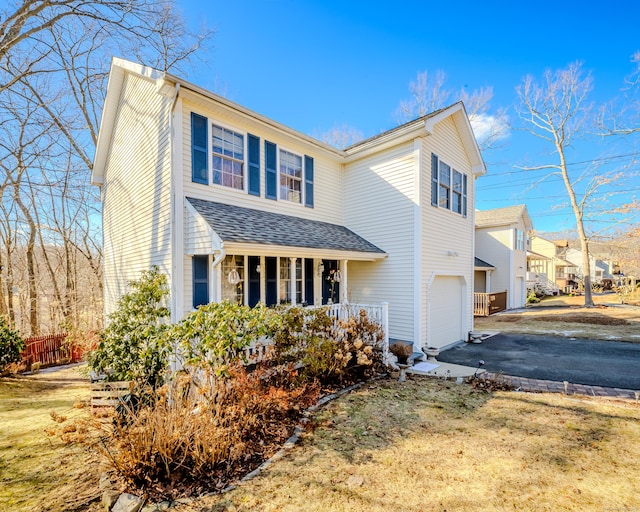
(39,472)
(434,445)
(564,316)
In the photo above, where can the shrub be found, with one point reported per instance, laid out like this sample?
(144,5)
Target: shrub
(532,297)
(216,334)
(132,346)
(11,345)
(329,350)
(210,433)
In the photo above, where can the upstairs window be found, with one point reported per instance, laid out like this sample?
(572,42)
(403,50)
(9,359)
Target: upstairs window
(448,187)
(520,243)
(228,158)
(290,176)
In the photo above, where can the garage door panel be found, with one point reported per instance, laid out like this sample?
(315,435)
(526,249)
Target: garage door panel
(447,299)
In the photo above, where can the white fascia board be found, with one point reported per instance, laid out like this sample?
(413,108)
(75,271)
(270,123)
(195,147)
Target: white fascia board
(198,92)
(405,133)
(301,252)
(461,119)
(117,73)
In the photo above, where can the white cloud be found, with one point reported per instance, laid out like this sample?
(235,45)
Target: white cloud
(489,129)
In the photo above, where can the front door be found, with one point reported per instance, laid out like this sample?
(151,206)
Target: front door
(330,287)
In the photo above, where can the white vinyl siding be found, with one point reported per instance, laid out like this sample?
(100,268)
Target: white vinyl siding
(446,237)
(136,190)
(379,203)
(499,246)
(327,186)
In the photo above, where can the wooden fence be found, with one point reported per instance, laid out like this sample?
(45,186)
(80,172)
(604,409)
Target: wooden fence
(109,394)
(50,350)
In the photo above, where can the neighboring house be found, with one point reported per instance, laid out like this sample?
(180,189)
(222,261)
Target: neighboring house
(600,269)
(502,240)
(233,205)
(548,268)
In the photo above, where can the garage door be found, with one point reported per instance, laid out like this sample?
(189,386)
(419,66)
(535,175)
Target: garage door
(447,302)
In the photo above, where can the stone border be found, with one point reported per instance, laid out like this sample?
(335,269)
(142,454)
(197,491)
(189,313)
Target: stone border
(552,386)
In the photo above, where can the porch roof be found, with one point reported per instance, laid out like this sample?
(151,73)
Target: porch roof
(246,226)
(480,264)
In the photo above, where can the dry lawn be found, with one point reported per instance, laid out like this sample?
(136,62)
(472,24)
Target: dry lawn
(38,472)
(434,445)
(566,316)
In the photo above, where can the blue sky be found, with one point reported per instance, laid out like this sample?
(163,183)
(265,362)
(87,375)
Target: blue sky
(317,64)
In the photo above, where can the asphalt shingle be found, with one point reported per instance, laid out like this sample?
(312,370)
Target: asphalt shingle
(246,225)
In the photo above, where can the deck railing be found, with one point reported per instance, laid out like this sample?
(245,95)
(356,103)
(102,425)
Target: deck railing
(485,304)
(480,304)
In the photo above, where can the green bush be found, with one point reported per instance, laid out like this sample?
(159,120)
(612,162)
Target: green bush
(133,345)
(11,345)
(216,334)
(532,298)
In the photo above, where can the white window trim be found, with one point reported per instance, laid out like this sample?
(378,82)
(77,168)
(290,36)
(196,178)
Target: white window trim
(245,162)
(451,191)
(302,183)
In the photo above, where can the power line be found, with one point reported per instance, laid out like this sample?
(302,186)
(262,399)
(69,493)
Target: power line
(594,160)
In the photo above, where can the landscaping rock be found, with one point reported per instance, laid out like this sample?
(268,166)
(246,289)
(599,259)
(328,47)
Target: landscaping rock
(109,497)
(128,503)
(157,507)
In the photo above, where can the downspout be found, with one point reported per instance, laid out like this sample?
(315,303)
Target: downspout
(216,262)
(173,178)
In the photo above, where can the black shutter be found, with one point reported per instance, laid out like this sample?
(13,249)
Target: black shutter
(308,181)
(434,180)
(464,195)
(199,143)
(200,273)
(254,164)
(271,171)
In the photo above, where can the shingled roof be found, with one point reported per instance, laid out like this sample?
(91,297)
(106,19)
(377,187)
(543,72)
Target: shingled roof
(502,216)
(246,225)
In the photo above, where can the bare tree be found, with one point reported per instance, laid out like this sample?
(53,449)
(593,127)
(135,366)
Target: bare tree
(54,62)
(429,93)
(621,116)
(341,136)
(556,110)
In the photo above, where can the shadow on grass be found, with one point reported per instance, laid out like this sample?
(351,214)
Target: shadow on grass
(381,413)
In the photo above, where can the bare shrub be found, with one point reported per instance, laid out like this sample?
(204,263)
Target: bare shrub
(206,427)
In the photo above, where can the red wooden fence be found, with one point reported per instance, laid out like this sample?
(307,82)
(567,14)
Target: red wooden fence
(50,350)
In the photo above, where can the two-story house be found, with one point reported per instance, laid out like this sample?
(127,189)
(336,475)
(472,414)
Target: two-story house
(548,268)
(233,205)
(502,240)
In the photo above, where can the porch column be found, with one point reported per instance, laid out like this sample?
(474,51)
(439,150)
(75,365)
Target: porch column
(317,282)
(292,280)
(487,287)
(215,290)
(344,299)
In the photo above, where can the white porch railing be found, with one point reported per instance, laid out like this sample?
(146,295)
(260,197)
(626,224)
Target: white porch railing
(378,313)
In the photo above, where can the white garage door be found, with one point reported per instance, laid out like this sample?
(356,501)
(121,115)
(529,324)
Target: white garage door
(447,302)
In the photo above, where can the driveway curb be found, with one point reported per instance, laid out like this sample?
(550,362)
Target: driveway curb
(551,386)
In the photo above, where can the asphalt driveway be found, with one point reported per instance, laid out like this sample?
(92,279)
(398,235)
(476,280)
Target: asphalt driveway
(612,364)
